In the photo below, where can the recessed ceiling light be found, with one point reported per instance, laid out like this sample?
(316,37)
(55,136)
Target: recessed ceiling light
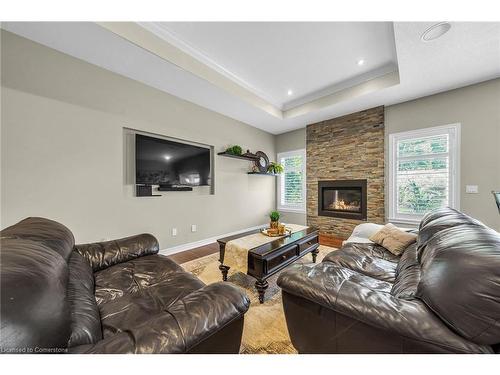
(289,92)
(361,62)
(435,31)
(167,157)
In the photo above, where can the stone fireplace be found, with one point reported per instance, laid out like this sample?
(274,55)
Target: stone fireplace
(342,198)
(345,173)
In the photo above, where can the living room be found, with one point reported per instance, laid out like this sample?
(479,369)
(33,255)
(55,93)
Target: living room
(254,187)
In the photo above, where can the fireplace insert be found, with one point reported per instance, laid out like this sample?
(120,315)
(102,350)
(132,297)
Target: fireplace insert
(342,198)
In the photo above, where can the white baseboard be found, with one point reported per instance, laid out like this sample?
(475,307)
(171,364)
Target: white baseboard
(206,241)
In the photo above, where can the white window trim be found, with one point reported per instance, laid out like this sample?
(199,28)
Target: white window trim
(454,132)
(301,209)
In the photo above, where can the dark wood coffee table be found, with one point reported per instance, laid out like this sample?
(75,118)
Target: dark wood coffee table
(270,258)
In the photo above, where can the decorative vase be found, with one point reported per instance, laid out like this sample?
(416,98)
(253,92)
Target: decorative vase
(274,224)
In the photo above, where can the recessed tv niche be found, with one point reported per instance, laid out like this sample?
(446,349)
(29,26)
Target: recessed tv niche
(171,164)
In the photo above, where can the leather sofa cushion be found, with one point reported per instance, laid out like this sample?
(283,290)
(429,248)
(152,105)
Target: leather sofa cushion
(407,274)
(435,221)
(372,250)
(52,234)
(129,277)
(34,307)
(101,255)
(367,259)
(460,274)
(85,319)
(393,239)
(131,292)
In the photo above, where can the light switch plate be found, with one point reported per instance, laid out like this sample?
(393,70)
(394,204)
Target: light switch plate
(471,189)
(193,228)
(174,232)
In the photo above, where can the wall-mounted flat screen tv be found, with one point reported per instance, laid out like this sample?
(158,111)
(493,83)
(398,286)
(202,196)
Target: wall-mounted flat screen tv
(171,163)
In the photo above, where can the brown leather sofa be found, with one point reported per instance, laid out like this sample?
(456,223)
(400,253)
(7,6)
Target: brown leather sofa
(109,297)
(441,296)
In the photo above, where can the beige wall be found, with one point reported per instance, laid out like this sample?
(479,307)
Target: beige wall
(291,141)
(63,153)
(477,108)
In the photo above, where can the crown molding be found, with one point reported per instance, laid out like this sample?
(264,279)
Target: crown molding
(184,46)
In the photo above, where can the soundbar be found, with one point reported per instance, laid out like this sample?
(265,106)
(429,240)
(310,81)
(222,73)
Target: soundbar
(174,188)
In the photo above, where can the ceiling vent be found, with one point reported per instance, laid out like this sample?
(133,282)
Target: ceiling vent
(435,31)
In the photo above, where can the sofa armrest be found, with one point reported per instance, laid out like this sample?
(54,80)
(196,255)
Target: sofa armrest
(102,255)
(181,327)
(349,293)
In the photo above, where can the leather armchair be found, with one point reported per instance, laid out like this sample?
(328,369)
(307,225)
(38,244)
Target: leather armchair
(440,296)
(110,297)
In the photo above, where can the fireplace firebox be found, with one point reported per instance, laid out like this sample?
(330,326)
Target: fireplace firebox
(342,198)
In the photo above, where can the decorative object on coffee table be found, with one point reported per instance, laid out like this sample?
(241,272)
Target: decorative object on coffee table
(275,219)
(262,161)
(266,258)
(280,232)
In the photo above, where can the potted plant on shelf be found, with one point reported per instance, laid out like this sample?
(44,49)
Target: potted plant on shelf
(275,217)
(234,150)
(275,168)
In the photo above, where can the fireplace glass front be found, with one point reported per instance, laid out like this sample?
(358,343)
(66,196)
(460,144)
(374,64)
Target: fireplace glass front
(342,199)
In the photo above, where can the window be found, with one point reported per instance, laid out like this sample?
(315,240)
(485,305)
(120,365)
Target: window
(292,182)
(423,172)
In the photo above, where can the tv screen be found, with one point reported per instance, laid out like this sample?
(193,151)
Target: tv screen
(164,162)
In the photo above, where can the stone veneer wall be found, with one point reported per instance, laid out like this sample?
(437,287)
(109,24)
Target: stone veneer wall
(346,148)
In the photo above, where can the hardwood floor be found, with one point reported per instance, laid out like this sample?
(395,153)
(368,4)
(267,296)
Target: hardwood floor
(195,253)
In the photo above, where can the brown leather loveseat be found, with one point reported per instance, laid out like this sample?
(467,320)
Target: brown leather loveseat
(441,296)
(110,297)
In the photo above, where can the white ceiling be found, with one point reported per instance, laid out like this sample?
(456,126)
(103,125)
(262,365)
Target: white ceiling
(315,60)
(272,58)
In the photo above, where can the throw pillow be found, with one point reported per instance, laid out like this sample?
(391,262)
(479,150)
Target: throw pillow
(393,239)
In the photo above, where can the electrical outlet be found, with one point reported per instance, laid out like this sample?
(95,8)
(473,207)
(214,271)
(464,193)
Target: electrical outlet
(174,232)
(193,228)
(471,189)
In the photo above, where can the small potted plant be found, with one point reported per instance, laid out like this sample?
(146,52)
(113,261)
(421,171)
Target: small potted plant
(275,217)
(234,150)
(275,168)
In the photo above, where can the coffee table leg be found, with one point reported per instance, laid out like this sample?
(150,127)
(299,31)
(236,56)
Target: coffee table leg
(224,270)
(261,286)
(314,254)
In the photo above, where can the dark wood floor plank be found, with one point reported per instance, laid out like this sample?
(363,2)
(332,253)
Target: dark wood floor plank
(192,254)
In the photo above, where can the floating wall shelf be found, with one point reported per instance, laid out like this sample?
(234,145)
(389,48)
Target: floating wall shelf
(242,157)
(263,173)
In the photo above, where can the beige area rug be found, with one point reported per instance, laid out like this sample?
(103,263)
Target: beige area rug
(265,328)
